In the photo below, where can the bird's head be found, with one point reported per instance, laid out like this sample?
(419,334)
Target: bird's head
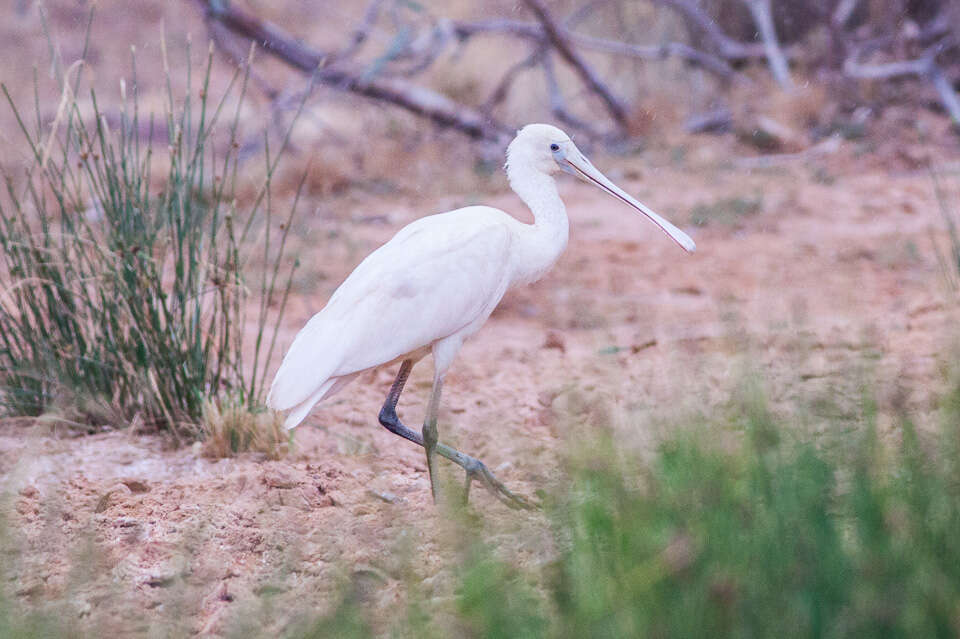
(546,149)
(538,146)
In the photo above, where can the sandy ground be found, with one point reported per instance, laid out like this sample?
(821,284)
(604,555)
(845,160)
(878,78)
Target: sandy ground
(626,330)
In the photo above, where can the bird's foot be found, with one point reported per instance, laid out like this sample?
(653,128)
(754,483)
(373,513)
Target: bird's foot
(477,470)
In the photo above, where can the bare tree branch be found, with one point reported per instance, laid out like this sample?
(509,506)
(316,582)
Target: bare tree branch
(763,18)
(234,52)
(582,13)
(416,39)
(533,31)
(658,52)
(557,36)
(725,46)
(466,29)
(842,12)
(361,33)
(402,93)
(924,67)
(948,96)
(558,106)
(503,87)
(267,36)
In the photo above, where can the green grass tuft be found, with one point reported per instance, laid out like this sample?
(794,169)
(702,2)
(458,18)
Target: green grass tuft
(728,212)
(494,600)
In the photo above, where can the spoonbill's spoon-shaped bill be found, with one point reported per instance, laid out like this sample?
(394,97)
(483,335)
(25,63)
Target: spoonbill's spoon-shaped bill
(572,161)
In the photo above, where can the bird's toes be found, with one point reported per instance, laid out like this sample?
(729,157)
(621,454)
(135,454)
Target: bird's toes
(477,470)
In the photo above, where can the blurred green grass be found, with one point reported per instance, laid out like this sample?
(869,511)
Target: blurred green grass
(775,534)
(727,212)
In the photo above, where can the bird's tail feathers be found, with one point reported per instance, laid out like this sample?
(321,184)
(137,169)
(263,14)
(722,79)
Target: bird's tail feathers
(328,388)
(299,412)
(308,365)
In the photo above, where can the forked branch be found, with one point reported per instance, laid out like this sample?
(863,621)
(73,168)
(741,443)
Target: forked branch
(924,67)
(558,39)
(350,77)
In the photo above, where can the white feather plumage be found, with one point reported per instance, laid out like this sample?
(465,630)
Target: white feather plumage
(438,279)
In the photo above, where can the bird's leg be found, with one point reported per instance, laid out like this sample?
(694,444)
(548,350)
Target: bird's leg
(474,468)
(431,437)
(388,414)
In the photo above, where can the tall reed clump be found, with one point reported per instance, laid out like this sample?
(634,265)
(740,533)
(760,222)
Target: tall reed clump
(125,294)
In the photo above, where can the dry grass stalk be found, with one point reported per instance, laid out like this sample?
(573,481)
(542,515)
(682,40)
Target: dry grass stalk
(230,427)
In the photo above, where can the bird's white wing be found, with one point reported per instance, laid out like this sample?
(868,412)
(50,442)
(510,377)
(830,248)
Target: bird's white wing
(437,276)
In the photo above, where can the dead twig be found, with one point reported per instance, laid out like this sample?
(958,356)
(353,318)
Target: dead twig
(717,121)
(359,36)
(557,37)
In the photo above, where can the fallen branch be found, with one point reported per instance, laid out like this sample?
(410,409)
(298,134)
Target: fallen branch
(826,147)
(925,67)
(716,121)
(347,77)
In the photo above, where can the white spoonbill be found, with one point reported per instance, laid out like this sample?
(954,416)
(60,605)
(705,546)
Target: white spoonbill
(434,285)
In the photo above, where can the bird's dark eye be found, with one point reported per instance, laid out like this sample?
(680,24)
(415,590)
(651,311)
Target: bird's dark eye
(554,147)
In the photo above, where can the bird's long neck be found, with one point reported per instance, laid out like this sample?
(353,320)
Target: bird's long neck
(545,239)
